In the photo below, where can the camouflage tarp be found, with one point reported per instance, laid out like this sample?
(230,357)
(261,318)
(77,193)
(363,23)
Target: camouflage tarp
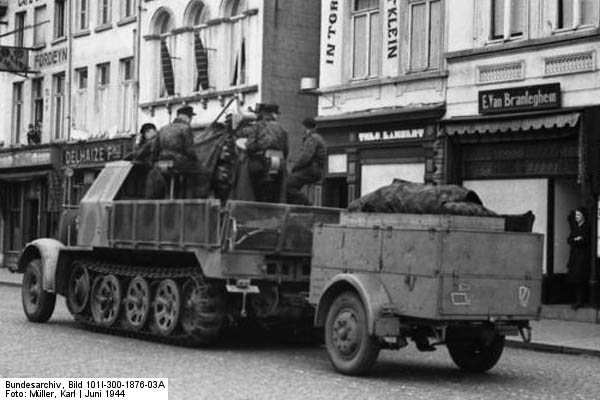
(417,198)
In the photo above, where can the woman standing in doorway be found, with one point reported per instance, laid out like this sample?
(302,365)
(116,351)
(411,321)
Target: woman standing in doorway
(579,258)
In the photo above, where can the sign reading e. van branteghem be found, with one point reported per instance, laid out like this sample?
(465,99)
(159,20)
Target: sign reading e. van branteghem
(524,98)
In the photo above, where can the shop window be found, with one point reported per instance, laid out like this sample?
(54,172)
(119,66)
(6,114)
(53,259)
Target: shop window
(83,15)
(103,96)
(104,12)
(20,29)
(80,105)
(572,14)
(126,94)
(425,34)
(127,9)
(13,225)
(58,105)
(17,112)
(39,26)
(509,19)
(366,38)
(165,52)
(60,19)
(37,101)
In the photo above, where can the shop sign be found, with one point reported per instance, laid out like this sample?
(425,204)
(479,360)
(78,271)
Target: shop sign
(526,98)
(14,59)
(25,159)
(94,153)
(50,58)
(332,20)
(398,134)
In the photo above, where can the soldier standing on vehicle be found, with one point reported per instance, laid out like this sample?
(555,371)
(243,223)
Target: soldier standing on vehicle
(308,168)
(267,150)
(147,137)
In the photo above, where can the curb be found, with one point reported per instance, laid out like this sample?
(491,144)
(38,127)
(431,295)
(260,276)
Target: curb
(552,348)
(8,283)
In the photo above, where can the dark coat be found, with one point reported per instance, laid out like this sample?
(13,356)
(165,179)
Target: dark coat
(579,258)
(175,142)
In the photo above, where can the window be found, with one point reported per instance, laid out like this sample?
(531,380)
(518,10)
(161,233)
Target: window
(508,19)
(425,34)
(102,97)
(37,100)
(59,19)
(104,12)
(571,14)
(80,105)
(39,26)
(58,105)
(17,112)
(19,29)
(126,95)
(83,15)
(366,40)
(127,8)
(164,54)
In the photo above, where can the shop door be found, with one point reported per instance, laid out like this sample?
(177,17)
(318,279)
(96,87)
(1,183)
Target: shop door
(335,192)
(31,220)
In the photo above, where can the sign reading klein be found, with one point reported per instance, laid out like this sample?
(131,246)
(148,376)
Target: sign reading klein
(527,98)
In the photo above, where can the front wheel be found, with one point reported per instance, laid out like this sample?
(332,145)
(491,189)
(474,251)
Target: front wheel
(38,304)
(350,348)
(477,353)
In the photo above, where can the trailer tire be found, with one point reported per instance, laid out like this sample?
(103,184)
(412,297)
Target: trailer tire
(38,304)
(351,349)
(475,355)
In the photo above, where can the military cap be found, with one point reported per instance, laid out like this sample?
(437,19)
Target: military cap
(147,126)
(186,110)
(309,122)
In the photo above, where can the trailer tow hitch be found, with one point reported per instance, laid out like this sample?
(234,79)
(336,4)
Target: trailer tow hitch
(525,332)
(244,287)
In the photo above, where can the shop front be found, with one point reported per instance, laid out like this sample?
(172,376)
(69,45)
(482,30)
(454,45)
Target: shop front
(368,150)
(524,152)
(30,192)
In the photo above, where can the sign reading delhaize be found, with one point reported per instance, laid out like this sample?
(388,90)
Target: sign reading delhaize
(526,98)
(82,154)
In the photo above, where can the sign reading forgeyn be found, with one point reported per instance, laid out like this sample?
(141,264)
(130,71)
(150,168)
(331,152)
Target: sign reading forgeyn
(525,98)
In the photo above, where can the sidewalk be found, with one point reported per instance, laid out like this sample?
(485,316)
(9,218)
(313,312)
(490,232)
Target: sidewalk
(552,334)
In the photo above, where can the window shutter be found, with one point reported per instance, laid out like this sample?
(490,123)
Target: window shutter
(167,68)
(201,63)
(498,19)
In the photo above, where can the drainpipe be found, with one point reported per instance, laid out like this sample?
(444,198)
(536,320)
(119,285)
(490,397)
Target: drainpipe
(137,42)
(69,67)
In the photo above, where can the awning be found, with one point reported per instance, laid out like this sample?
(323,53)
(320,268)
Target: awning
(509,123)
(21,176)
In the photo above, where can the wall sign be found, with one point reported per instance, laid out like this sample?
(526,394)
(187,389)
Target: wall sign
(392,29)
(14,59)
(82,154)
(331,32)
(50,58)
(24,3)
(25,158)
(397,134)
(526,98)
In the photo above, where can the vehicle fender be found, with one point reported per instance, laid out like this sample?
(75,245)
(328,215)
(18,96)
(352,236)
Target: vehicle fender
(368,286)
(47,250)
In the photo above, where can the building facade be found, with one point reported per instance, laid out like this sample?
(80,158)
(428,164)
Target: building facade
(522,115)
(381,93)
(77,89)
(204,53)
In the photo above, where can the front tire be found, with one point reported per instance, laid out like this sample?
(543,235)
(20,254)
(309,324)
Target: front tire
(475,354)
(350,348)
(38,304)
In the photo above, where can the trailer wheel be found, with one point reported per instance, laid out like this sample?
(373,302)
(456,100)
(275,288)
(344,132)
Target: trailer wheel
(476,354)
(38,304)
(202,310)
(350,348)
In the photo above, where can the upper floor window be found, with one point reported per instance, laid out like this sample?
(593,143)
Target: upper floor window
(366,40)
(39,26)
(127,8)
(60,19)
(165,49)
(82,78)
(83,15)
(104,12)
(37,100)
(58,105)
(17,111)
(571,14)
(103,75)
(20,29)
(508,19)
(425,34)
(235,7)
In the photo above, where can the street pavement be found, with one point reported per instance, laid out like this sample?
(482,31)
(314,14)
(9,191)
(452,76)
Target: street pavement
(236,371)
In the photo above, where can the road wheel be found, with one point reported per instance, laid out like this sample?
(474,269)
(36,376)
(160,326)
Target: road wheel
(202,310)
(475,354)
(37,303)
(351,350)
(105,300)
(166,308)
(137,303)
(78,289)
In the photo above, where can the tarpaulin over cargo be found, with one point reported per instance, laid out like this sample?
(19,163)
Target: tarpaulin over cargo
(417,198)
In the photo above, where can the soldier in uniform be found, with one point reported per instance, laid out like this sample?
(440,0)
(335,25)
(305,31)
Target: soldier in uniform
(267,150)
(308,168)
(143,150)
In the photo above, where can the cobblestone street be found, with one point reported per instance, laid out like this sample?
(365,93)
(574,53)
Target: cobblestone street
(61,349)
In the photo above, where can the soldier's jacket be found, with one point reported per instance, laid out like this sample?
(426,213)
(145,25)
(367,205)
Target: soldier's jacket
(313,150)
(175,143)
(265,135)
